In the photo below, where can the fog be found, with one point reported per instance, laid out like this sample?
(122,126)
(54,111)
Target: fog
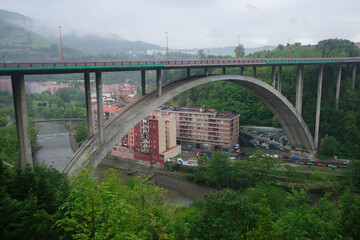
(197,23)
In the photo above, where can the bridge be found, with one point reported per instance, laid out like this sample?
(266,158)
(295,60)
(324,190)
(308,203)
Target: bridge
(109,133)
(40,120)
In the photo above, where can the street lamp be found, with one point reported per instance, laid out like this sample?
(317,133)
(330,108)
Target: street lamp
(239,46)
(289,48)
(167,45)
(62,55)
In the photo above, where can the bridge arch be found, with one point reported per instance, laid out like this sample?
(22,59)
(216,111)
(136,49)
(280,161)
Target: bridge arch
(119,125)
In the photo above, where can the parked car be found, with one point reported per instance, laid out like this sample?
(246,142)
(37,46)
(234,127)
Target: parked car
(332,166)
(320,165)
(309,163)
(346,162)
(231,158)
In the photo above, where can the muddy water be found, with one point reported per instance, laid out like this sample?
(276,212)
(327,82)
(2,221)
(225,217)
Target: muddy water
(53,144)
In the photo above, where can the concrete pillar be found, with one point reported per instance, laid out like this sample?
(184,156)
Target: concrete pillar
(242,71)
(254,72)
(224,71)
(100,107)
(299,88)
(188,72)
(143,83)
(22,122)
(280,78)
(90,123)
(273,76)
(206,72)
(158,82)
(353,77)
(338,83)
(318,107)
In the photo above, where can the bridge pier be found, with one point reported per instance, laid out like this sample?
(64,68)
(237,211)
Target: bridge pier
(206,72)
(242,71)
(353,77)
(89,118)
(338,83)
(143,83)
(299,88)
(318,107)
(188,73)
(254,72)
(22,122)
(273,78)
(280,78)
(224,71)
(100,114)
(158,82)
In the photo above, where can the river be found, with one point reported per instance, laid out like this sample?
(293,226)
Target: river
(54,149)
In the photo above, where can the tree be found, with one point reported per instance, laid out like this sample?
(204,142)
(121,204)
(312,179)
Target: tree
(265,226)
(330,146)
(239,51)
(201,54)
(93,210)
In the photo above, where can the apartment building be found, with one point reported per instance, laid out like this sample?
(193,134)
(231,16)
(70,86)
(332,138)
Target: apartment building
(204,128)
(152,140)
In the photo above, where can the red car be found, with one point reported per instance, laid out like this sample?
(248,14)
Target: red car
(320,165)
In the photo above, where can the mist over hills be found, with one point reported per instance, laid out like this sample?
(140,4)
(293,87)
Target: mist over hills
(25,39)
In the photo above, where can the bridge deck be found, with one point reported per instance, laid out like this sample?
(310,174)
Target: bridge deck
(78,67)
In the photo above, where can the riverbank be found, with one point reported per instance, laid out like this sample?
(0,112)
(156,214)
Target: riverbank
(172,180)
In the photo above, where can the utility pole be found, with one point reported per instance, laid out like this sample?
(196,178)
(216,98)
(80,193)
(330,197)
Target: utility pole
(167,45)
(289,48)
(239,46)
(62,54)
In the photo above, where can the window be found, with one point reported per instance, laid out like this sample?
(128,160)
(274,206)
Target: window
(155,156)
(136,152)
(114,149)
(141,154)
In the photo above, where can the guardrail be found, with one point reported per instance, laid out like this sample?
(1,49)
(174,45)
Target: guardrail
(185,62)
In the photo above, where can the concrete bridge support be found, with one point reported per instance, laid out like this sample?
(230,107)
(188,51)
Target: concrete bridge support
(206,72)
(158,82)
(318,107)
(353,77)
(143,83)
(224,71)
(299,88)
(22,122)
(188,73)
(100,114)
(338,84)
(242,71)
(273,76)
(89,118)
(280,78)
(254,72)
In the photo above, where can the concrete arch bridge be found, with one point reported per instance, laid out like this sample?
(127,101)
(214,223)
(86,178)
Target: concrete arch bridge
(94,150)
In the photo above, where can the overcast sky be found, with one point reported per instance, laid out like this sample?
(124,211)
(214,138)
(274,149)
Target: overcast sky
(200,23)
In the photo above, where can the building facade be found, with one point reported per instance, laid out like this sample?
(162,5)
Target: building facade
(152,140)
(204,128)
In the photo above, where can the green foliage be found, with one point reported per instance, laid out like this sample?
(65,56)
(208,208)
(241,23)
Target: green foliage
(330,146)
(239,51)
(223,215)
(29,202)
(265,226)
(81,133)
(93,210)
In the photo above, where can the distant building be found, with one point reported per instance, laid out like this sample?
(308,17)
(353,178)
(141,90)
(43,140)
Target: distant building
(39,87)
(204,128)
(5,85)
